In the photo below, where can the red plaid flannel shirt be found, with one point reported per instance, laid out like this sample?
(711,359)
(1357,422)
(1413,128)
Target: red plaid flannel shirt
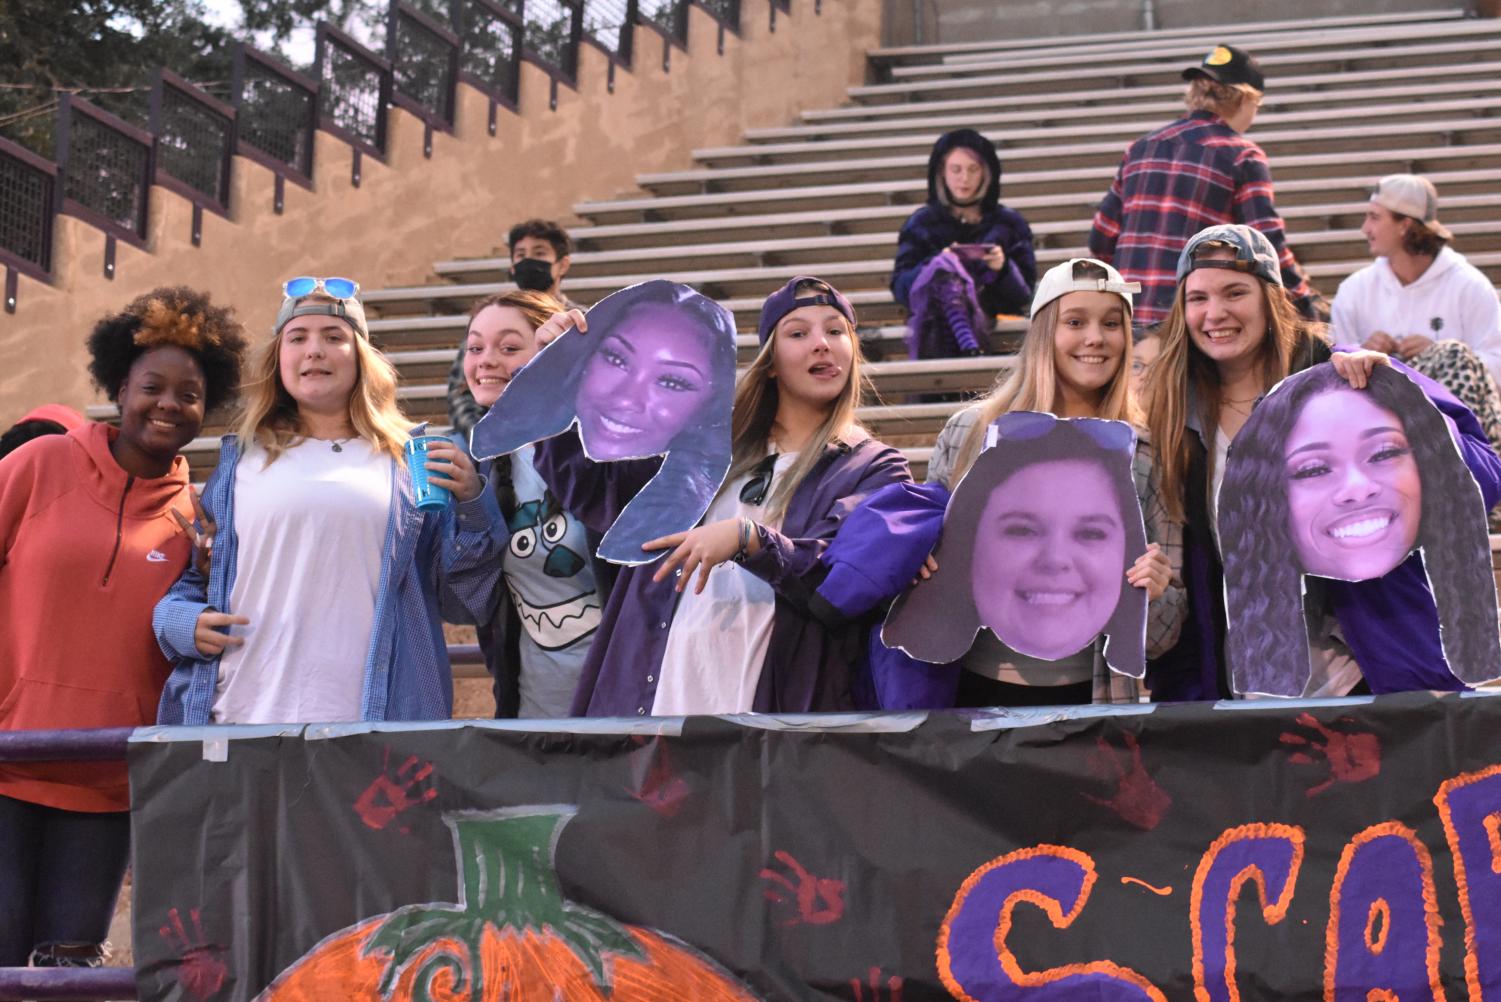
(1174,182)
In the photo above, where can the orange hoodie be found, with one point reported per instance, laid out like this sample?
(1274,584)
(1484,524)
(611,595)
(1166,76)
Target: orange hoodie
(86,550)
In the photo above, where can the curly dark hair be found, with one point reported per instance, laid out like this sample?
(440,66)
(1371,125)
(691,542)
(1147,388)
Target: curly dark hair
(176,316)
(1267,643)
(937,620)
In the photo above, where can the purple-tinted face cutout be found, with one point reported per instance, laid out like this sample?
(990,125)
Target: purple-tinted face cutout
(1354,498)
(1049,556)
(644,383)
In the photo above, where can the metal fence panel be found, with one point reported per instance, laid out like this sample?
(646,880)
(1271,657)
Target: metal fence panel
(278,111)
(553,28)
(105,166)
(27,200)
(424,63)
(354,87)
(490,47)
(726,12)
(195,137)
(609,23)
(669,17)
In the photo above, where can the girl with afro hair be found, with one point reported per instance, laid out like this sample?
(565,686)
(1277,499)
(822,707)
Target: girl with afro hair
(94,528)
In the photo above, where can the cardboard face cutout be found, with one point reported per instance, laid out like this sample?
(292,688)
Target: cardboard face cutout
(654,375)
(1328,482)
(1036,542)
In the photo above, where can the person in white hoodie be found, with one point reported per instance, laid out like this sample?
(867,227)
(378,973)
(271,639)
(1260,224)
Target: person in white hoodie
(1422,301)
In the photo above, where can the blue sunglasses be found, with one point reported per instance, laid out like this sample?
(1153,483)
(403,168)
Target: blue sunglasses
(1117,436)
(306,285)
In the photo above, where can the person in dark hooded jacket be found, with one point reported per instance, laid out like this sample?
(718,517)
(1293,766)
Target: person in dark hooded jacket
(963,257)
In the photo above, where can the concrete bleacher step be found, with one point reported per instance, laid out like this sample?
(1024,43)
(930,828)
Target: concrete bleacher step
(1065,220)
(895,200)
(984,114)
(1268,48)
(919,137)
(1113,42)
(1057,83)
(1117,96)
(1341,247)
(1280,145)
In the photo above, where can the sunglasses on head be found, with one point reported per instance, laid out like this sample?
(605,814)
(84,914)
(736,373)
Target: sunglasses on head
(306,285)
(1016,426)
(754,491)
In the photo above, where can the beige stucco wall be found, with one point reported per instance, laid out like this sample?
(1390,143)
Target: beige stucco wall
(410,211)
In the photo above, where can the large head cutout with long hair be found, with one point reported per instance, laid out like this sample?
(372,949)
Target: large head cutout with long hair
(1334,482)
(654,374)
(1036,542)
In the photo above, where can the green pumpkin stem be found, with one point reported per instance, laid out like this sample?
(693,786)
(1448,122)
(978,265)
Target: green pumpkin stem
(507,881)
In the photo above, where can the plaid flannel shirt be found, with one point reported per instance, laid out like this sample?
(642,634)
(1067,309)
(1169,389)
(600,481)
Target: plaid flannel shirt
(1174,182)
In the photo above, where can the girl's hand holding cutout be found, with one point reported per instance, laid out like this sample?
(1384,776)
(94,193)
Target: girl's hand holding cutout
(1356,366)
(1152,572)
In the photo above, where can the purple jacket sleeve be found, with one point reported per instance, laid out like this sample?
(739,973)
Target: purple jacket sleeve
(783,560)
(881,546)
(594,493)
(1474,447)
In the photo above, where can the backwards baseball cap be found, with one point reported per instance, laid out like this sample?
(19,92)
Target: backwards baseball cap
(1228,65)
(1073,276)
(786,299)
(1254,253)
(1411,195)
(350,310)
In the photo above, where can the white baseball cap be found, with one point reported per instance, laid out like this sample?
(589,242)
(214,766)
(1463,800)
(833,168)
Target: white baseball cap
(1411,195)
(1068,277)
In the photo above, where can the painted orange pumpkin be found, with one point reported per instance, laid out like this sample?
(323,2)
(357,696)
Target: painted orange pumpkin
(512,937)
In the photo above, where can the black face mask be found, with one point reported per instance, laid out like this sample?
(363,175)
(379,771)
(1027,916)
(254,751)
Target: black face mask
(532,274)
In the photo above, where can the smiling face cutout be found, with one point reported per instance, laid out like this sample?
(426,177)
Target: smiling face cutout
(644,383)
(1354,497)
(1049,555)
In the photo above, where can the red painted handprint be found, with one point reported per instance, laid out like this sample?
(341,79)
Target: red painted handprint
(393,792)
(815,900)
(653,781)
(1138,799)
(1352,756)
(200,970)
(873,989)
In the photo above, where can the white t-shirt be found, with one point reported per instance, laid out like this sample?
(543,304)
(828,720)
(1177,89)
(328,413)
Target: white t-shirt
(310,529)
(718,640)
(1217,477)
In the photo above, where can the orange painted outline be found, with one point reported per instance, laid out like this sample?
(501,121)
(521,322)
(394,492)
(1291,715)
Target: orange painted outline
(1161,892)
(1493,835)
(1379,909)
(1272,913)
(1050,907)
(1441,801)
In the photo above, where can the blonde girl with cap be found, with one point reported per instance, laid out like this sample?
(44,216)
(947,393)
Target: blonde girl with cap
(323,597)
(1074,363)
(723,624)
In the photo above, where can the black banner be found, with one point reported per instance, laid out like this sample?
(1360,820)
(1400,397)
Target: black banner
(1255,851)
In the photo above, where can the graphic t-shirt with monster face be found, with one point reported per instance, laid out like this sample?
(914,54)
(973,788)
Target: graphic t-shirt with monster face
(551,581)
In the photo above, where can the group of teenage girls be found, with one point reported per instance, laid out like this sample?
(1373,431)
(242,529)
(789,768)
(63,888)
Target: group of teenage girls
(306,585)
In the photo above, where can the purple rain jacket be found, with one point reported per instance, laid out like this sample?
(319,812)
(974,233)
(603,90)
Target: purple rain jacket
(1391,623)
(812,660)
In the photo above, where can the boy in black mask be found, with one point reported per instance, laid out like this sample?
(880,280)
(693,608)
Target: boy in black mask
(541,252)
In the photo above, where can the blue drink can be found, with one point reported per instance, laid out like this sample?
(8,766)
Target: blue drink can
(430,497)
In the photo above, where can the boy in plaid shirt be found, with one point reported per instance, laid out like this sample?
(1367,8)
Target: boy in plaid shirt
(1196,172)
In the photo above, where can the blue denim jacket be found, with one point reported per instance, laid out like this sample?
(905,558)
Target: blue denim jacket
(433,566)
